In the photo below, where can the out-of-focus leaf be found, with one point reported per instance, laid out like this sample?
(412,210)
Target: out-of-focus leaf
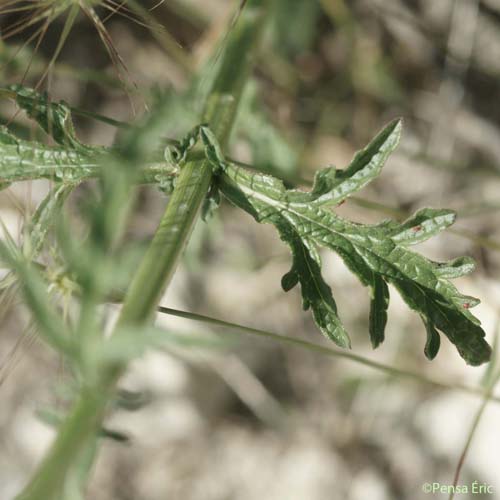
(129,343)
(295,25)
(271,150)
(54,117)
(37,298)
(22,160)
(54,419)
(27,160)
(44,217)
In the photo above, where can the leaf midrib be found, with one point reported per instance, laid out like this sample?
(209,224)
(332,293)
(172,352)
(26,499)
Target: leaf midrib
(289,208)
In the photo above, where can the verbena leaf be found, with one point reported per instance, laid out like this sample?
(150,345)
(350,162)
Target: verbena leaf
(332,186)
(456,268)
(25,160)
(433,340)
(73,161)
(316,294)
(378,310)
(376,254)
(22,160)
(424,224)
(54,117)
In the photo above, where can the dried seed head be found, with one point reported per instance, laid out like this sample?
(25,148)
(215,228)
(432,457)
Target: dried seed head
(38,15)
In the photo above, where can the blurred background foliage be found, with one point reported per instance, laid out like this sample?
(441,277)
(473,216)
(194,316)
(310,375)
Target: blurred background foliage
(258,420)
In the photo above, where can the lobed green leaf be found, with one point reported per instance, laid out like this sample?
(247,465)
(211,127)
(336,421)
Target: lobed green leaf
(316,294)
(22,160)
(53,117)
(378,310)
(423,225)
(376,254)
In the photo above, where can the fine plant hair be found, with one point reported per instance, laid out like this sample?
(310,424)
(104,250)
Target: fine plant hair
(98,265)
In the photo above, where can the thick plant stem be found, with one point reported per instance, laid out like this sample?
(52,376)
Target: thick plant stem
(194,180)
(161,259)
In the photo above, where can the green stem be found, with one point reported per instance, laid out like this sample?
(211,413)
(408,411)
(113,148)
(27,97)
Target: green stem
(168,243)
(331,352)
(161,259)
(72,437)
